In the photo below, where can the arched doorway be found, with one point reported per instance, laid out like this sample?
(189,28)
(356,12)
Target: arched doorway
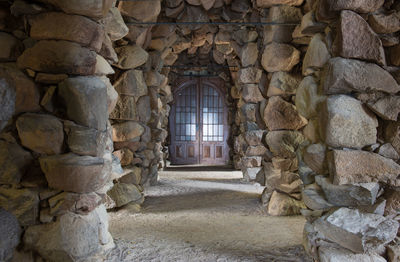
(198,121)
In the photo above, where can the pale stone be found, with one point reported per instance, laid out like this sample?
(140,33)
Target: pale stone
(357,231)
(392,207)
(249,54)
(314,199)
(86,101)
(309,26)
(141,11)
(131,83)
(317,55)
(95,9)
(60,26)
(103,67)
(315,157)
(278,33)
(131,56)
(365,167)
(284,143)
(342,76)
(127,131)
(115,25)
(80,174)
(353,33)
(387,150)
(283,83)
(251,93)
(250,174)
(250,75)
(346,123)
(123,194)
(10,233)
(284,14)
(359,6)
(283,205)
(81,204)
(280,114)
(269,3)
(279,57)
(58,57)
(334,254)
(41,133)
(392,135)
(125,109)
(308,98)
(388,108)
(385,24)
(361,194)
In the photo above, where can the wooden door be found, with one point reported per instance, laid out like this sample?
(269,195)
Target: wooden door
(198,124)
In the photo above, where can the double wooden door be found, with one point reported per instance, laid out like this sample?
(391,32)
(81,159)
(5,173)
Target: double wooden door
(198,123)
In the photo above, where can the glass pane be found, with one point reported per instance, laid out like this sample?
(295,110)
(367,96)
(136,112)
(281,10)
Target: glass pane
(205,130)
(221,130)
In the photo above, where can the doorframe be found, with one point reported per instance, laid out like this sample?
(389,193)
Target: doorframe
(219,85)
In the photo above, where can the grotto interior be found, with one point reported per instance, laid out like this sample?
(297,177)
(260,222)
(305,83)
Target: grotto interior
(300,97)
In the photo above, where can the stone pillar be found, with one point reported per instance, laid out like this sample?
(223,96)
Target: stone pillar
(56,140)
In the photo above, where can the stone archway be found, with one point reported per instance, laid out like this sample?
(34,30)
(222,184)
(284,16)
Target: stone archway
(334,113)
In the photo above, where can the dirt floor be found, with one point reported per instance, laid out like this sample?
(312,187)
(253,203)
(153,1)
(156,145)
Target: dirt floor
(204,216)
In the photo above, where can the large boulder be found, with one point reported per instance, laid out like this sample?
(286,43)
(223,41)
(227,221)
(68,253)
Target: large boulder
(388,108)
(333,254)
(26,95)
(316,56)
(79,174)
(127,131)
(7,103)
(353,33)
(131,56)
(385,24)
(60,26)
(123,194)
(86,101)
(59,57)
(85,141)
(392,135)
(14,162)
(269,3)
(251,93)
(280,57)
(357,231)
(361,194)
(308,98)
(315,157)
(114,25)
(279,114)
(283,205)
(346,123)
(283,83)
(144,11)
(365,167)
(41,133)
(343,76)
(10,233)
(249,75)
(22,203)
(249,54)
(131,83)
(284,143)
(125,108)
(284,14)
(91,8)
(359,6)
(72,238)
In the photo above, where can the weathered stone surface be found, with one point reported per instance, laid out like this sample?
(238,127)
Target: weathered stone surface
(394,55)
(314,199)
(41,133)
(58,57)
(284,14)
(249,54)
(284,143)
(123,194)
(10,47)
(72,238)
(10,233)
(280,114)
(309,26)
(385,24)
(60,26)
(131,56)
(278,34)
(342,76)
(254,137)
(249,162)
(355,32)
(103,67)
(127,131)
(282,83)
(249,75)
(250,174)
(251,93)
(285,164)
(131,83)
(26,92)
(142,11)
(283,205)
(255,150)
(22,203)
(392,135)
(308,98)
(393,252)
(387,150)
(50,78)
(144,106)
(79,174)
(357,231)
(317,55)
(115,25)
(365,167)
(355,195)
(125,156)
(315,157)
(346,123)
(14,162)
(388,108)
(392,207)
(95,9)
(279,57)
(359,6)
(312,131)
(125,109)
(334,254)
(81,204)
(269,3)
(7,103)
(107,51)
(85,141)
(86,101)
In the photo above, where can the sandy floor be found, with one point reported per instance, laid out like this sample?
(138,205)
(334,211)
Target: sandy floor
(204,216)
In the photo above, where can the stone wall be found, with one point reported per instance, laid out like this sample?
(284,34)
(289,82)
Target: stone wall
(314,113)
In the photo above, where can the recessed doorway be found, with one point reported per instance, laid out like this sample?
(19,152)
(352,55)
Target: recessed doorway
(198,122)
